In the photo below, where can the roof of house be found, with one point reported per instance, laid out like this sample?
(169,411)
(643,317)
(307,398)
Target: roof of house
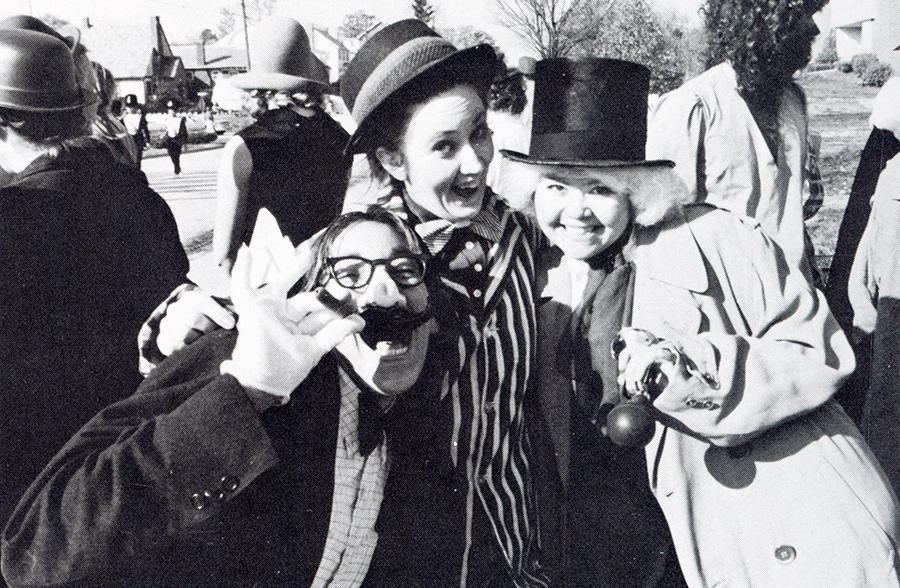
(212,56)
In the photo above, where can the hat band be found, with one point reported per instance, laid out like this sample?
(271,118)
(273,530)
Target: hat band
(400,66)
(28,100)
(586,146)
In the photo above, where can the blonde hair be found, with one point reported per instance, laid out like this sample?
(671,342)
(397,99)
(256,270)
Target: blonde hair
(654,192)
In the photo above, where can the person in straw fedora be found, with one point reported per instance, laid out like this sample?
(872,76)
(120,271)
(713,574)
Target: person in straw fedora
(693,313)
(291,160)
(462,480)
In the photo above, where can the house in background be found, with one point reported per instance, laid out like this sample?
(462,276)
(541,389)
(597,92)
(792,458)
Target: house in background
(146,64)
(140,58)
(866,26)
(208,64)
(329,49)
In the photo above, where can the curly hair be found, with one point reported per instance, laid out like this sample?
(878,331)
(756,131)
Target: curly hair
(754,36)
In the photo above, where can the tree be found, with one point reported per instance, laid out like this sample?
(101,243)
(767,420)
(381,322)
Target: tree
(256,11)
(635,32)
(423,11)
(356,24)
(553,28)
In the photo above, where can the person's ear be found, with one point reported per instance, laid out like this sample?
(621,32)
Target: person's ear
(392,162)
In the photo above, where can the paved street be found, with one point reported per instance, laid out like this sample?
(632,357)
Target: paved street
(192,198)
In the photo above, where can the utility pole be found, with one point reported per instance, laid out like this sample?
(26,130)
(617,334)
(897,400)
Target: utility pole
(246,36)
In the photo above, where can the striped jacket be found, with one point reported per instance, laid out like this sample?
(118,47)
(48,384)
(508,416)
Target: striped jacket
(485,392)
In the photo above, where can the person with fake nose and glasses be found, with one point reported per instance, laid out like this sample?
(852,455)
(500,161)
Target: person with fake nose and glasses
(250,458)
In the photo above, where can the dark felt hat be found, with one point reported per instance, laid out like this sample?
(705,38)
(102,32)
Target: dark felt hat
(589,112)
(37,72)
(30,23)
(396,55)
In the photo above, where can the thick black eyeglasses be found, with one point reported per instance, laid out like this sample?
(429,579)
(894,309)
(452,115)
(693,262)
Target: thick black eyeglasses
(356,272)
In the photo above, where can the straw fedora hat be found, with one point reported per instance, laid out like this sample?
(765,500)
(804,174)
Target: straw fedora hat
(589,112)
(396,55)
(281,58)
(37,73)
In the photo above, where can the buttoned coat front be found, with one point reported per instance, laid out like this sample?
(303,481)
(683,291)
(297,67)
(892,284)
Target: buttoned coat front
(764,481)
(185,484)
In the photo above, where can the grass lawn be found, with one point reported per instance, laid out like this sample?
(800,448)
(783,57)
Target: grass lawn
(839,112)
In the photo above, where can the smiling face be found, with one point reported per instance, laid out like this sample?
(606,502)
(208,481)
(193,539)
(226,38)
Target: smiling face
(444,155)
(582,211)
(392,360)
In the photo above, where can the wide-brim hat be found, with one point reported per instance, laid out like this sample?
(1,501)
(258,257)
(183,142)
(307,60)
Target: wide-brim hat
(589,112)
(397,55)
(37,72)
(281,58)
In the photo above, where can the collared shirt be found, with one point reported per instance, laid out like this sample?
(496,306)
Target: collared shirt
(358,491)
(484,397)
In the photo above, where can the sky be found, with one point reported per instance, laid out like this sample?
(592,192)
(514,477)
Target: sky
(183,20)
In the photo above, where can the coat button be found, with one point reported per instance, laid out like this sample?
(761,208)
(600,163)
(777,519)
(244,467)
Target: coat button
(785,554)
(230,483)
(199,501)
(217,495)
(490,407)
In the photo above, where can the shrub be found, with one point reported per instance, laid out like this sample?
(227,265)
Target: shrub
(845,67)
(828,54)
(876,75)
(862,61)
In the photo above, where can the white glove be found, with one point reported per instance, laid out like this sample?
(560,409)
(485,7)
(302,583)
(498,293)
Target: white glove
(280,340)
(193,314)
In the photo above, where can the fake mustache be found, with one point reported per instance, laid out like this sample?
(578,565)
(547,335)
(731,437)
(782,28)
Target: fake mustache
(390,324)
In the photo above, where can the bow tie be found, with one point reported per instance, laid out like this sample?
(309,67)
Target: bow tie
(437,233)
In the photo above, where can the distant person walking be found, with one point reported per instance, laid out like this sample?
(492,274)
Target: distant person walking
(135,122)
(176,134)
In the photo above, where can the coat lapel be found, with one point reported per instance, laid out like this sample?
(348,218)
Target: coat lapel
(554,388)
(668,261)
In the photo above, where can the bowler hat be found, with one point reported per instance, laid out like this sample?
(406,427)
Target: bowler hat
(131,100)
(37,73)
(24,21)
(589,112)
(281,58)
(396,55)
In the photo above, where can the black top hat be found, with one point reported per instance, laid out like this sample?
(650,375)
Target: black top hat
(589,112)
(396,55)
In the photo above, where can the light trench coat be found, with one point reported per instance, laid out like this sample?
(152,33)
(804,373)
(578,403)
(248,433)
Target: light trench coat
(707,129)
(764,481)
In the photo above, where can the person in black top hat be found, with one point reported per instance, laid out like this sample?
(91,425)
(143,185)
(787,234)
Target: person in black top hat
(716,354)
